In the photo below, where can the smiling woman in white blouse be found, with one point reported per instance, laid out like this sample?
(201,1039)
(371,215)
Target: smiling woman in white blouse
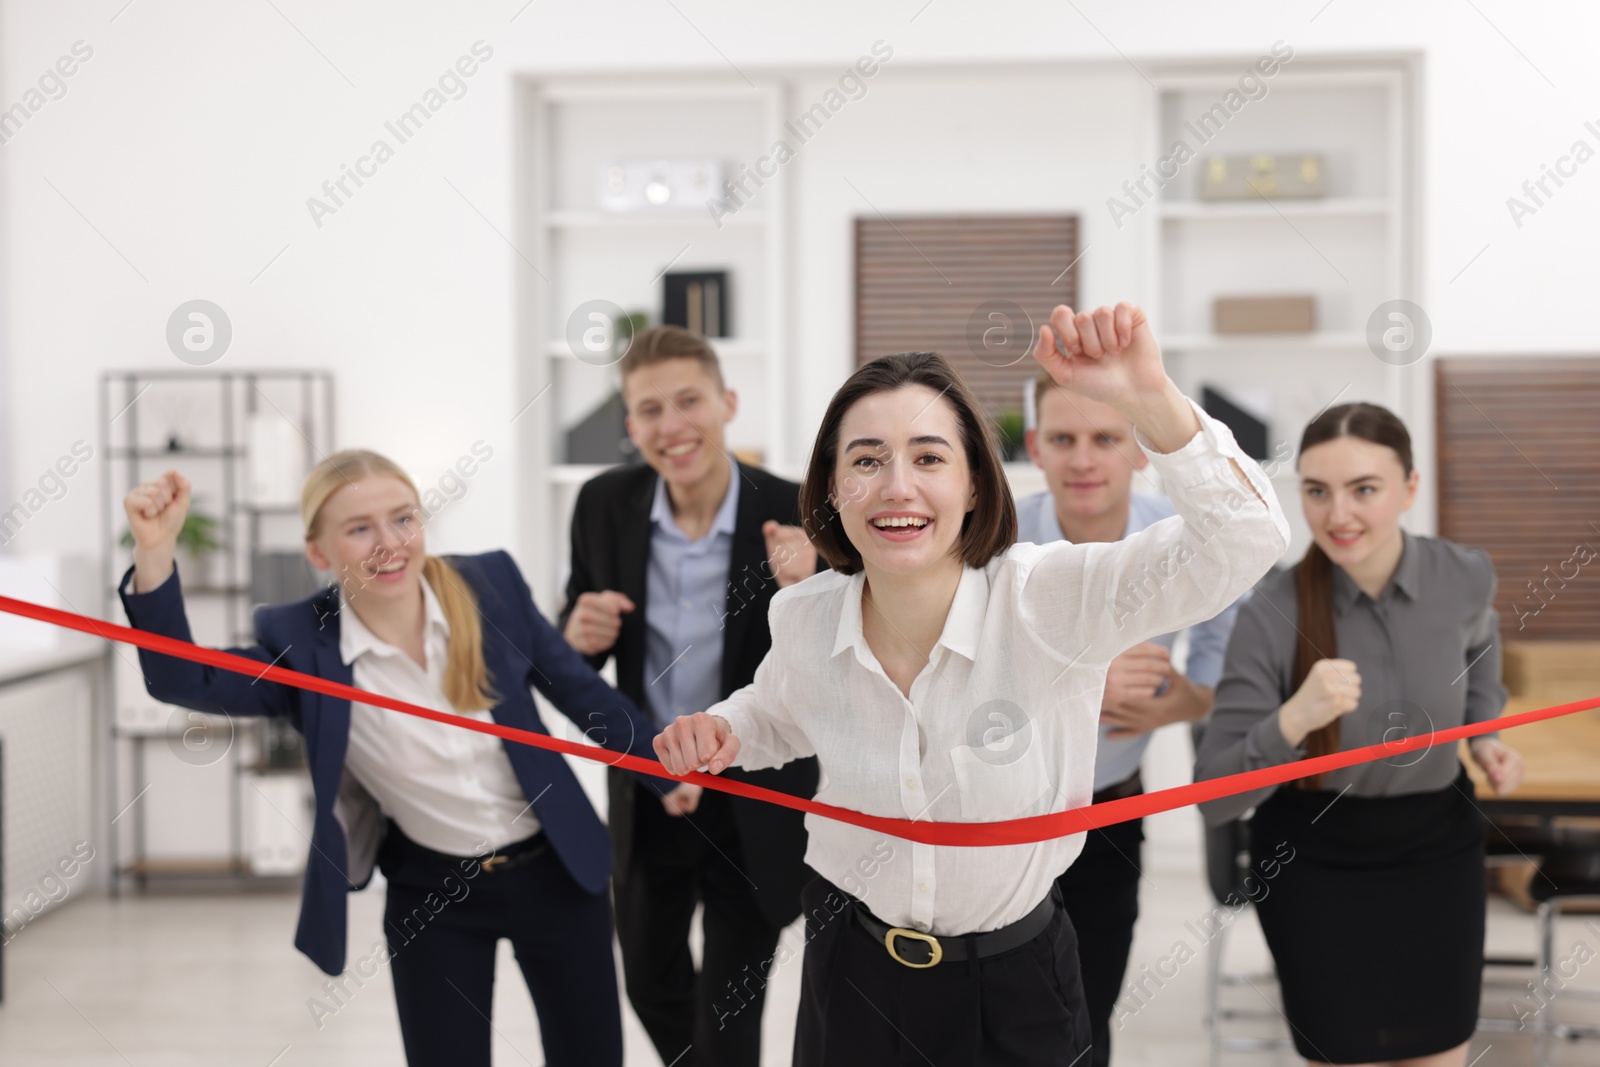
(942,671)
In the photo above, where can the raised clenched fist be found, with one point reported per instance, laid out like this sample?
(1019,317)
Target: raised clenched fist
(1109,354)
(156,510)
(155,516)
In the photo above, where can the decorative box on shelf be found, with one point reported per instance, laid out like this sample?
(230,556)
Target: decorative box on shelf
(659,184)
(1295,313)
(1264,176)
(697,301)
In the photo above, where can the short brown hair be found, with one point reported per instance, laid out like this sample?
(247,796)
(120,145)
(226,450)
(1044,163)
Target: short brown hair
(1041,383)
(661,343)
(986,531)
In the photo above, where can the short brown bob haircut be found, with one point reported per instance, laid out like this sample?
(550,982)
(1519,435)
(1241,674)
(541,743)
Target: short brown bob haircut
(987,530)
(660,343)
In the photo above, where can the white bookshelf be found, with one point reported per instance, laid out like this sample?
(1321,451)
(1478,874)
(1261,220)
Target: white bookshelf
(571,128)
(1352,249)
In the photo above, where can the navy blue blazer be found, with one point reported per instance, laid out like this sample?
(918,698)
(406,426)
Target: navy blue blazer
(520,649)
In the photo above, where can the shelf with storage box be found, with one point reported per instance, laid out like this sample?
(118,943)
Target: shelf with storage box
(583,140)
(690,220)
(1176,211)
(114,452)
(1217,342)
(1331,142)
(195,797)
(196,868)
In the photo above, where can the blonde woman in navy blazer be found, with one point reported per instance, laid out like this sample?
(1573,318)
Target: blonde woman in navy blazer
(532,863)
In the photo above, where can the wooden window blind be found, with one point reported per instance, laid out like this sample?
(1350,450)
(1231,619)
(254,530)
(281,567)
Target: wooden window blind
(1519,476)
(920,281)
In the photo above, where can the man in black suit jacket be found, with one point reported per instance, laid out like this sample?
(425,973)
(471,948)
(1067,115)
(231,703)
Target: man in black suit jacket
(668,526)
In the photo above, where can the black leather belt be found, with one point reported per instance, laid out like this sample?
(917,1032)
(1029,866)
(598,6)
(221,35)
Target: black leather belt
(926,950)
(516,854)
(513,855)
(1130,786)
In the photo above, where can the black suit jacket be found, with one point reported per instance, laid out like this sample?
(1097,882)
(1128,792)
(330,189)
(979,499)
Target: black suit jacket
(611,550)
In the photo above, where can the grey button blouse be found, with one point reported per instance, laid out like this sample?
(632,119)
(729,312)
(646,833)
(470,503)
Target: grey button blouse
(1428,650)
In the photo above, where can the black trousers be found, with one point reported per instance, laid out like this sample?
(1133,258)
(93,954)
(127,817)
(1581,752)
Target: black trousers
(711,1018)
(861,1008)
(1101,892)
(444,918)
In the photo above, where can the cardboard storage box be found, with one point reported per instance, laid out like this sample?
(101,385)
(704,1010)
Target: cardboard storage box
(1264,314)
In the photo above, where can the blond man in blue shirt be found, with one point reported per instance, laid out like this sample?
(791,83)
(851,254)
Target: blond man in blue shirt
(1087,452)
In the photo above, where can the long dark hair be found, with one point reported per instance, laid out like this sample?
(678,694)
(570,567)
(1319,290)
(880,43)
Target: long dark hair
(986,531)
(1313,575)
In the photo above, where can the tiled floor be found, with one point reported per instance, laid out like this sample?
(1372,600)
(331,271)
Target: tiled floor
(212,979)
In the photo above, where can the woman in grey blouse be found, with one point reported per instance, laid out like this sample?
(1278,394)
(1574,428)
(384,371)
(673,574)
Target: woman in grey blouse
(1376,921)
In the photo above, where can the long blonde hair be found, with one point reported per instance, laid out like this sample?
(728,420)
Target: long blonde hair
(466,676)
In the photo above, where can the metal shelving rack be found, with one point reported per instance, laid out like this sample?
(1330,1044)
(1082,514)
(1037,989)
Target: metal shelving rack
(128,452)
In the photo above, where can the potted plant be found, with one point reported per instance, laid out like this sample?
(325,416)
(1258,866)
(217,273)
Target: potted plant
(197,539)
(1012,432)
(623,327)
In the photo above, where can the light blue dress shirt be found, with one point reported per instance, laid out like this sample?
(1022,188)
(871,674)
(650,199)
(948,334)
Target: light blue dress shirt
(1117,758)
(686,593)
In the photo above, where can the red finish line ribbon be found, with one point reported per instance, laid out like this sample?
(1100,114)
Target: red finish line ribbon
(1009,832)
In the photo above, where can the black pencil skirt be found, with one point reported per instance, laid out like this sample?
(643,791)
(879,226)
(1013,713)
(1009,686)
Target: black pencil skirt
(1376,919)
(860,1008)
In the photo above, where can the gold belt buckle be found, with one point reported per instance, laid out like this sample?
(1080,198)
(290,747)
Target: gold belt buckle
(492,862)
(933,946)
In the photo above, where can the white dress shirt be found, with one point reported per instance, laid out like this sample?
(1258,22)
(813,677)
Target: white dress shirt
(1001,723)
(448,789)
(685,606)
(1118,757)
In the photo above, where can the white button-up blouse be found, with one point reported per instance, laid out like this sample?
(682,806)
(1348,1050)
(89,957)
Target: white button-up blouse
(449,789)
(1001,723)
